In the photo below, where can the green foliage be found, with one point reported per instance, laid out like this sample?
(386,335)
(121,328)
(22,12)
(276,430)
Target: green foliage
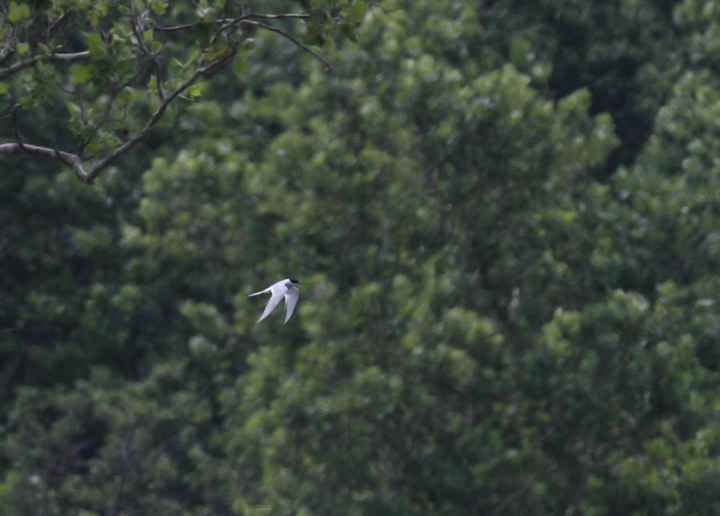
(137,61)
(487,325)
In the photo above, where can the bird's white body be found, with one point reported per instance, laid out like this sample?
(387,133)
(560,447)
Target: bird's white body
(284,289)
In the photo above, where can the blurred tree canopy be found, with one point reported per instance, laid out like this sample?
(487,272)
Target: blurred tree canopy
(505,217)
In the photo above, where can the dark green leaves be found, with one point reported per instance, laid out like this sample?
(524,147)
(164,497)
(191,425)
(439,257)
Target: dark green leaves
(494,317)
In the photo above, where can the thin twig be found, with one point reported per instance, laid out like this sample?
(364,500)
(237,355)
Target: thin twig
(54,24)
(139,38)
(158,76)
(151,56)
(226,22)
(229,22)
(52,58)
(16,125)
(275,16)
(173,29)
(328,66)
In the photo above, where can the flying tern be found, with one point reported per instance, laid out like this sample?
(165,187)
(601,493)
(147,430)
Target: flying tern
(282,289)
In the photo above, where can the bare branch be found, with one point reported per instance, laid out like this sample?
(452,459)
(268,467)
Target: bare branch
(6,56)
(173,29)
(227,22)
(52,58)
(275,16)
(71,160)
(230,22)
(16,124)
(328,66)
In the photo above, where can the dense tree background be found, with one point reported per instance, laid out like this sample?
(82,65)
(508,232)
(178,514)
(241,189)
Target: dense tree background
(506,218)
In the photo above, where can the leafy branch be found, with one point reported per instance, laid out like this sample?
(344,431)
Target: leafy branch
(137,41)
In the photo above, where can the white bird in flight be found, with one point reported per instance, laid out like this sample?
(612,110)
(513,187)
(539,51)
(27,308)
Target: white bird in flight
(282,289)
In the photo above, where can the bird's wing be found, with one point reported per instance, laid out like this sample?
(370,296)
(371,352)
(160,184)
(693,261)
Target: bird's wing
(291,299)
(261,292)
(274,300)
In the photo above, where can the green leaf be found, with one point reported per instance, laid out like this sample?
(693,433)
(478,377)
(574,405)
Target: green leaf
(95,46)
(42,50)
(18,11)
(28,102)
(125,65)
(74,109)
(197,89)
(101,7)
(4,88)
(349,32)
(215,51)
(159,7)
(127,94)
(356,11)
(519,50)
(23,48)
(82,73)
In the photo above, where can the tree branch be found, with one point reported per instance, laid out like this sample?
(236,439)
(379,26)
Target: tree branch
(75,162)
(6,56)
(52,58)
(328,66)
(71,160)
(154,119)
(176,28)
(54,24)
(16,123)
(227,22)
(275,16)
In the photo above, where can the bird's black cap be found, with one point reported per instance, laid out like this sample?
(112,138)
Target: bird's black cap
(294,280)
